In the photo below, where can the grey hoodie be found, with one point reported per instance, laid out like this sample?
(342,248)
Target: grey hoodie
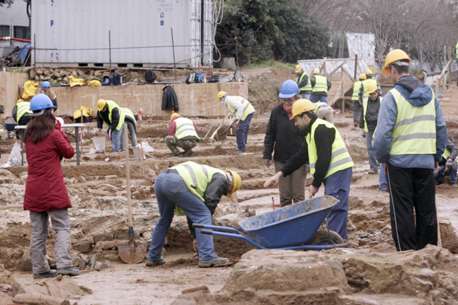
(417,95)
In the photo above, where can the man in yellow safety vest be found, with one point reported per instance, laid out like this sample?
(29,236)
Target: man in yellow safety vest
(21,114)
(320,87)
(303,81)
(181,133)
(196,189)
(242,111)
(116,118)
(328,159)
(368,121)
(410,138)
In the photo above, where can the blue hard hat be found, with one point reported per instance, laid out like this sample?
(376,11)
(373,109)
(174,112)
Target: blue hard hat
(288,89)
(40,102)
(45,85)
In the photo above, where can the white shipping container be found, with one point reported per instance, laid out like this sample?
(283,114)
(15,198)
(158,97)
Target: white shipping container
(71,32)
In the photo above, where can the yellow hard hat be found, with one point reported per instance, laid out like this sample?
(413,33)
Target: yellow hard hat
(370,86)
(362,76)
(174,115)
(236,181)
(101,103)
(392,57)
(316,71)
(300,106)
(298,69)
(221,94)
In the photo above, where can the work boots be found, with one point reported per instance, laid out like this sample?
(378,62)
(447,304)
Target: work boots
(216,262)
(70,271)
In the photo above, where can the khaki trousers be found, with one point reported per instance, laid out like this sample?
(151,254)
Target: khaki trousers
(292,187)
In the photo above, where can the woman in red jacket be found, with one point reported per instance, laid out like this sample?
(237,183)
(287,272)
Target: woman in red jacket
(46,195)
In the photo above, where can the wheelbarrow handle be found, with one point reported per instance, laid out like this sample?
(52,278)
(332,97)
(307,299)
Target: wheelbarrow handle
(232,235)
(216,228)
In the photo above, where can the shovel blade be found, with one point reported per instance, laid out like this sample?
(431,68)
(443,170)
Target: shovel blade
(132,253)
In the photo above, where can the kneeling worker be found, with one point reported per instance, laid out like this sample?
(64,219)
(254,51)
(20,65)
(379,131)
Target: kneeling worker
(196,189)
(328,158)
(114,116)
(181,133)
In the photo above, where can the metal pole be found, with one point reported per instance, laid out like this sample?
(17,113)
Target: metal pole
(34,49)
(356,67)
(202,31)
(342,93)
(109,47)
(174,61)
(78,149)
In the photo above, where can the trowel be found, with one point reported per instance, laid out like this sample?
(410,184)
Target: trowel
(130,252)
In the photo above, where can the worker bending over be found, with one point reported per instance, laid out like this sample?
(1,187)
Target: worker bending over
(181,133)
(242,111)
(116,117)
(304,82)
(196,189)
(22,114)
(410,137)
(368,121)
(320,87)
(328,158)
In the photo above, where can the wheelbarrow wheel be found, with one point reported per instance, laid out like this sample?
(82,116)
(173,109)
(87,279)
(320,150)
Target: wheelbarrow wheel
(327,237)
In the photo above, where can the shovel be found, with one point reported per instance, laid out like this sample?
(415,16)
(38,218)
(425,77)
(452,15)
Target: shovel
(130,252)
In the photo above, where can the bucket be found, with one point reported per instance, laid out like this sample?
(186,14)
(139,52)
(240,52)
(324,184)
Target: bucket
(99,143)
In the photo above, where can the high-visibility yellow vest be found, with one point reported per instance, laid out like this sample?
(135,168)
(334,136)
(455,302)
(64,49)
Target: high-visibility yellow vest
(197,176)
(340,158)
(356,89)
(247,108)
(112,105)
(308,87)
(415,129)
(184,128)
(22,108)
(321,84)
(447,153)
(129,113)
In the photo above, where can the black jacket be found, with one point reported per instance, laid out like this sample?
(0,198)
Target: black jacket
(371,114)
(103,116)
(169,99)
(324,137)
(282,137)
(304,81)
(218,186)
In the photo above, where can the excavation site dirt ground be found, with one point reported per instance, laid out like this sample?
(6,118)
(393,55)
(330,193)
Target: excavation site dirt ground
(369,271)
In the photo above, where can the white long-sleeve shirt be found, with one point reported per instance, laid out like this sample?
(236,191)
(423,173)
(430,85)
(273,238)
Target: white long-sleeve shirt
(237,106)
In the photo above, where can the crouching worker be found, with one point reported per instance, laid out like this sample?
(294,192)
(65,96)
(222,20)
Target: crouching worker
(181,133)
(447,165)
(116,117)
(46,195)
(194,188)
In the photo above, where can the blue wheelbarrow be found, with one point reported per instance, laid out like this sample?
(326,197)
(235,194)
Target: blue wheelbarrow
(294,227)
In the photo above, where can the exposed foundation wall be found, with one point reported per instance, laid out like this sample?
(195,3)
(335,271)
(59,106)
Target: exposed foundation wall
(194,99)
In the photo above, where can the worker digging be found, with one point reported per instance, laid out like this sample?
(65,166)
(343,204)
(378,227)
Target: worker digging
(195,189)
(242,113)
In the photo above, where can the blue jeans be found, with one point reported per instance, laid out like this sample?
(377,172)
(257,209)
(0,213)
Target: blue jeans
(116,140)
(242,133)
(171,191)
(371,151)
(382,181)
(318,98)
(117,137)
(338,186)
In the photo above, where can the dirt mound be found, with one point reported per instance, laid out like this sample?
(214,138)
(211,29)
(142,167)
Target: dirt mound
(340,276)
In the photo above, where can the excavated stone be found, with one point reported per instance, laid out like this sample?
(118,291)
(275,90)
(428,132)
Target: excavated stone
(381,299)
